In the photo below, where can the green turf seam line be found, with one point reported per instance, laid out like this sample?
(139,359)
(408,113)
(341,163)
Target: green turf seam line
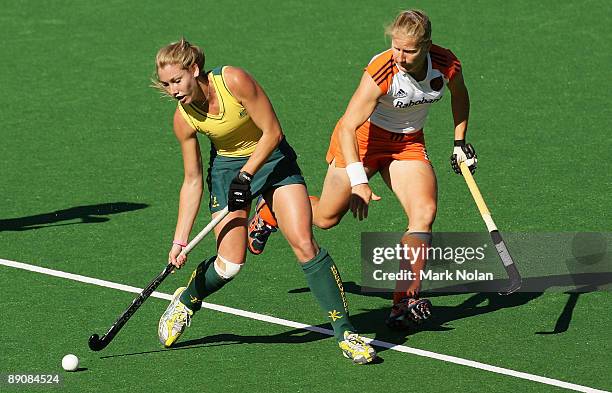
(297,325)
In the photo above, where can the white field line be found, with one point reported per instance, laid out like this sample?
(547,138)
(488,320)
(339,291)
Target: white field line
(297,325)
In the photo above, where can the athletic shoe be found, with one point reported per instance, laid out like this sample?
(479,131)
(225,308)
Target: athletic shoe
(259,229)
(174,320)
(409,310)
(355,348)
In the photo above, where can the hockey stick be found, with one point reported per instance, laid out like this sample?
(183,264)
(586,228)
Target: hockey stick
(97,343)
(511,269)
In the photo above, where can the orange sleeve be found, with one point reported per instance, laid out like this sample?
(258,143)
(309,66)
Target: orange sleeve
(445,61)
(381,69)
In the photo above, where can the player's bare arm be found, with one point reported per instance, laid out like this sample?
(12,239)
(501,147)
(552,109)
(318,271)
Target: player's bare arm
(460,105)
(359,109)
(248,92)
(191,190)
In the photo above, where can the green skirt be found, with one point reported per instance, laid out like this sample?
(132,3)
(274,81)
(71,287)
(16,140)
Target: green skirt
(280,169)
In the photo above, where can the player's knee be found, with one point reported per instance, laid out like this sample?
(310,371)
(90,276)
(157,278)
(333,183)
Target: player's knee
(304,250)
(227,269)
(325,222)
(429,213)
(423,218)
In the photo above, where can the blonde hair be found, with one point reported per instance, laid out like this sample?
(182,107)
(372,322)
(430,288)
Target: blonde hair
(181,53)
(411,23)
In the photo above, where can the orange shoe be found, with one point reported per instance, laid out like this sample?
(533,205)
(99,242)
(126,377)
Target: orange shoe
(261,226)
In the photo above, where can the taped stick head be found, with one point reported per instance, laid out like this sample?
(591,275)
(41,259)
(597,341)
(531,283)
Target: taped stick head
(95,344)
(515,285)
(514,277)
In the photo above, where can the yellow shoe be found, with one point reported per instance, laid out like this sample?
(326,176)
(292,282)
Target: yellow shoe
(174,320)
(355,348)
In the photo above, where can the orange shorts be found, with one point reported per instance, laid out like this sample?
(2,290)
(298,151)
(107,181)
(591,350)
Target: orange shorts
(378,147)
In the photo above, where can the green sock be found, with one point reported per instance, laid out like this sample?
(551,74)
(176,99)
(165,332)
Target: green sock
(326,285)
(204,281)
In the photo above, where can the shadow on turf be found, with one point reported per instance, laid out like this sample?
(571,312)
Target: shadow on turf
(88,214)
(175,348)
(368,322)
(371,321)
(295,336)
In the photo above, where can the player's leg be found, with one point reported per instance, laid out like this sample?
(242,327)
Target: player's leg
(208,277)
(335,195)
(293,213)
(414,184)
(214,272)
(327,210)
(332,205)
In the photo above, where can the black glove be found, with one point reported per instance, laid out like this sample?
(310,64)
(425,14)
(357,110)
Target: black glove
(463,153)
(239,195)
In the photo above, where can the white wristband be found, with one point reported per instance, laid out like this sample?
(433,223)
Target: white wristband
(356,173)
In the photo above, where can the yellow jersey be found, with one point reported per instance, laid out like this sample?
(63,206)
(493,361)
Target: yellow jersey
(232,132)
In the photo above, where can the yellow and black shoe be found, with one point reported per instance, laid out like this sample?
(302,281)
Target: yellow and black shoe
(174,320)
(355,348)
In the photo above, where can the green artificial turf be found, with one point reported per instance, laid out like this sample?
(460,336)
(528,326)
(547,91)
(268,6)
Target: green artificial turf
(90,173)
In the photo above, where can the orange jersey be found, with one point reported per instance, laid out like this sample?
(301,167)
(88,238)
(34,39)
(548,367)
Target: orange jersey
(405,102)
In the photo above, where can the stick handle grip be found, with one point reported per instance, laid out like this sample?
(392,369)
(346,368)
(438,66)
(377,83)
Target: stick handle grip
(482,206)
(211,225)
(469,179)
